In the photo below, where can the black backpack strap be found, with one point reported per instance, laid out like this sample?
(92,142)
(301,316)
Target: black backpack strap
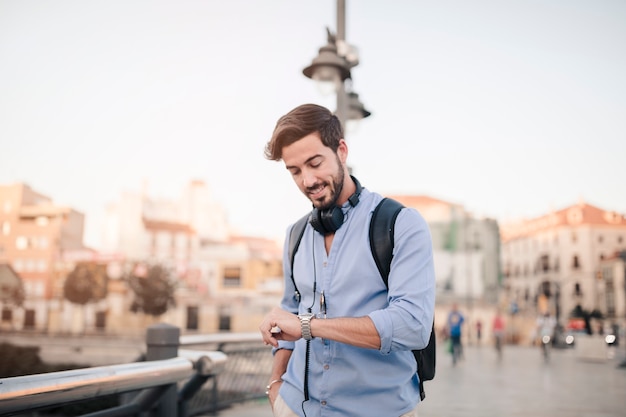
(381,235)
(295,236)
(381,243)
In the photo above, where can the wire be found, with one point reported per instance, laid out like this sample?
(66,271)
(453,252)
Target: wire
(307,358)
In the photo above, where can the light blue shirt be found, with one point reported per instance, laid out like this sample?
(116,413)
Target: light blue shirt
(345,380)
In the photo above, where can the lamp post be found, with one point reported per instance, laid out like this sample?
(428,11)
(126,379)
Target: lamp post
(332,67)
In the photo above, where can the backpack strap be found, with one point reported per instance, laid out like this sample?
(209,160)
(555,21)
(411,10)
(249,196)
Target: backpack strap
(382,242)
(381,235)
(295,236)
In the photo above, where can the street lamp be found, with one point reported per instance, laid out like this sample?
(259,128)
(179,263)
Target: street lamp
(331,68)
(328,67)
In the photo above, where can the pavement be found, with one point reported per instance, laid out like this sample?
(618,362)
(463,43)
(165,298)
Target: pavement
(520,384)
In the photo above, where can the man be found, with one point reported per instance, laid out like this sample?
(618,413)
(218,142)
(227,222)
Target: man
(356,359)
(455,323)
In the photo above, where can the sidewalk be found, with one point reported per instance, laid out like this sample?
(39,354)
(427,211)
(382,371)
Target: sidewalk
(520,385)
(260,408)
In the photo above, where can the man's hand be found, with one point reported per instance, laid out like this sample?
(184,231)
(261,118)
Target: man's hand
(280,325)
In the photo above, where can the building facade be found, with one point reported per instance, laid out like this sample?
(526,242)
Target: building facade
(555,262)
(34,232)
(222,282)
(466,251)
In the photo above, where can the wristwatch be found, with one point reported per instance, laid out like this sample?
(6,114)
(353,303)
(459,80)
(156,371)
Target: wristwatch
(305,322)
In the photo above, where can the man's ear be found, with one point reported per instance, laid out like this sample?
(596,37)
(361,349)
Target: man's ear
(342,151)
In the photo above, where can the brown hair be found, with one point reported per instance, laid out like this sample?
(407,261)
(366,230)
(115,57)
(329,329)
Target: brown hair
(300,122)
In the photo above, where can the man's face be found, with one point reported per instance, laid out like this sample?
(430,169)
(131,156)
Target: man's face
(316,169)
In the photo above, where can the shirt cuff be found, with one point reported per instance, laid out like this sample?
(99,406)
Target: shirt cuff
(284,345)
(384,326)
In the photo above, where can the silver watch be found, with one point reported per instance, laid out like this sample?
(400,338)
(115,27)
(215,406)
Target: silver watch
(305,322)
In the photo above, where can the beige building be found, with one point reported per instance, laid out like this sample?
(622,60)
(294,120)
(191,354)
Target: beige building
(34,233)
(466,251)
(222,282)
(553,263)
(611,287)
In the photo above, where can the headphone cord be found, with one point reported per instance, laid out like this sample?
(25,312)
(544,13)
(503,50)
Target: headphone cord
(307,358)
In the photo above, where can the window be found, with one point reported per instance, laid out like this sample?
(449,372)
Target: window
(30,265)
(577,291)
(192,318)
(7,314)
(611,308)
(575,262)
(21,242)
(6,228)
(29,319)
(232,277)
(18,265)
(600,239)
(224,319)
(545,263)
(101,320)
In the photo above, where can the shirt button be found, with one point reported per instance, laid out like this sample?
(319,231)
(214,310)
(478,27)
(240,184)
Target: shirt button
(323,402)
(325,264)
(326,367)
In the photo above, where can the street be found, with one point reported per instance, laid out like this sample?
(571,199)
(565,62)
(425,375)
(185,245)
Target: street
(522,384)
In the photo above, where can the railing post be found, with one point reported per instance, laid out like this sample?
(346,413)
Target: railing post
(162,341)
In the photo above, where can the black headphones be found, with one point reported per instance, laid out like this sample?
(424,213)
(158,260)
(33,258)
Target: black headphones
(329,220)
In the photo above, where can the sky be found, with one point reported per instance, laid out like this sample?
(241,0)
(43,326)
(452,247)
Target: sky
(509,108)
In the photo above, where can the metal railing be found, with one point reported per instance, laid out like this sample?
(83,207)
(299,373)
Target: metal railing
(246,373)
(170,382)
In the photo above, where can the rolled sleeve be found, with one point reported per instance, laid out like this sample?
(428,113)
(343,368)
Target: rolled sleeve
(282,344)
(384,326)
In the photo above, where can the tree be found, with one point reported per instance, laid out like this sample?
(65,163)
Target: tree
(153,288)
(11,286)
(87,283)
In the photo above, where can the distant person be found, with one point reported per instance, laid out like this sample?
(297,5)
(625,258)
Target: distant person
(454,325)
(545,330)
(497,328)
(479,331)
(341,340)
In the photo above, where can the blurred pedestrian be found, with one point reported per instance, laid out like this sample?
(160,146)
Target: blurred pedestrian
(479,331)
(497,327)
(545,330)
(454,325)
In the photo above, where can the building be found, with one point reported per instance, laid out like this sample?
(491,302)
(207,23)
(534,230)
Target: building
(34,233)
(556,262)
(466,251)
(222,282)
(610,295)
(219,275)
(11,294)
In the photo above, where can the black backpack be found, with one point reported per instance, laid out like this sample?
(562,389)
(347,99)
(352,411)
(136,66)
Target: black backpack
(381,243)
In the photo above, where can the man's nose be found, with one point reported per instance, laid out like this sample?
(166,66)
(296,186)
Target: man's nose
(308,179)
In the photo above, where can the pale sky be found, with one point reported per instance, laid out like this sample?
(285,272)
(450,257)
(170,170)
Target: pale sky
(510,108)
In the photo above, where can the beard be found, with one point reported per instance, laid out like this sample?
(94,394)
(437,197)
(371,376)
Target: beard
(336,189)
